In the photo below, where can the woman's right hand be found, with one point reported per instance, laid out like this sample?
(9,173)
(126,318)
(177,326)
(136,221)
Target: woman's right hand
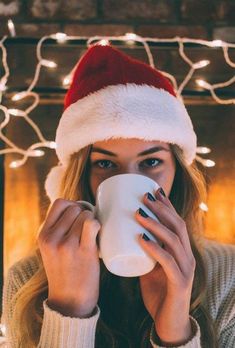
(67,242)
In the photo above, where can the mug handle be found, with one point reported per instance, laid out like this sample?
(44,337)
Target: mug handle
(93,209)
(88,205)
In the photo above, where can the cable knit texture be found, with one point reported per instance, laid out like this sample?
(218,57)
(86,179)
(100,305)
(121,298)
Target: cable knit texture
(73,332)
(59,331)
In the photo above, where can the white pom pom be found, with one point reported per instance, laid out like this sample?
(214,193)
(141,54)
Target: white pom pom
(52,182)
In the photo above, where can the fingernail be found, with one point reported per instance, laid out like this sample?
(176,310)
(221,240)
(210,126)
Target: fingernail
(150,197)
(142,213)
(145,237)
(162,192)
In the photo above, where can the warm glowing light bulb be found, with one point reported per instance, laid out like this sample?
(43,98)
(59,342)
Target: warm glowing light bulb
(203,149)
(52,145)
(130,37)
(16,112)
(19,96)
(203,206)
(11,27)
(209,163)
(217,43)
(201,64)
(104,42)
(38,153)
(14,164)
(203,84)
(48,63)
(67,80)
(60,37)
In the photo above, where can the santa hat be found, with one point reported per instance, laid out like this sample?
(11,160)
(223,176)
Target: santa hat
(113,95)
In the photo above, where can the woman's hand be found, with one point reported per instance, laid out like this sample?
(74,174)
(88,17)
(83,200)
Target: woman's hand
(166,290)
(67,242)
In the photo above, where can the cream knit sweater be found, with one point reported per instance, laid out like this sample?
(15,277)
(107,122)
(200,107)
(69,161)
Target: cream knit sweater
(59,331)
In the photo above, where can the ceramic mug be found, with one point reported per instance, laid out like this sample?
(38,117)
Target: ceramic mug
(117,199)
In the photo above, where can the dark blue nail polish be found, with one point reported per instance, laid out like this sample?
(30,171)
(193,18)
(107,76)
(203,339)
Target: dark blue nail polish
(145,237)
(162,192)
(142,213)
(150,197)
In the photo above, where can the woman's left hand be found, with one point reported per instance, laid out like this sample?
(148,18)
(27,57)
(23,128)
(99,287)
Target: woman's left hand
(166,290)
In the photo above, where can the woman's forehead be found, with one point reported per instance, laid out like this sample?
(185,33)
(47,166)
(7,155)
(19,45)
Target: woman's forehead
(133,143)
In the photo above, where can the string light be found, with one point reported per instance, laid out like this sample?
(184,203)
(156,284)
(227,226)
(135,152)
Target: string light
(201,64)
(203,149)
(39,153)
(212,88)
(67,80)
(193,67)
(216,43)
(14,164)
(52,144)
(203,206)
(13,148)
(104,42)
(129,39)
(4,79)
(227,58)
(48,63)
(19,96)
(203,84)
(32,153)
(60,37)
(209,163)
(11,27)
(16,112)
(205,162)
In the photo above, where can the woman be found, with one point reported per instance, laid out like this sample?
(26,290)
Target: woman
(121,116)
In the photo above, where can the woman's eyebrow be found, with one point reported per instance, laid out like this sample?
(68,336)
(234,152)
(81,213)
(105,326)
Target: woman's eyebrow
(146,152)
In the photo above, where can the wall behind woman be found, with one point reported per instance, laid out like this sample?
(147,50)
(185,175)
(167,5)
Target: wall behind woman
(25,201)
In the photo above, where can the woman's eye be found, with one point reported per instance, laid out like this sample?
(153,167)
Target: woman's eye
(103,164)
(148,163)
(151,162)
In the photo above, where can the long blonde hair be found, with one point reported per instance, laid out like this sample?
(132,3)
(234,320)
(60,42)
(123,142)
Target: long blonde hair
(188,190)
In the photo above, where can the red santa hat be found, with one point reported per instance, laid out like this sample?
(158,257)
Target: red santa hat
(113,95)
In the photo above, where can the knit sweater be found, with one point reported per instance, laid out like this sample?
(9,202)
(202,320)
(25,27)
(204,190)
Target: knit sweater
(59,331)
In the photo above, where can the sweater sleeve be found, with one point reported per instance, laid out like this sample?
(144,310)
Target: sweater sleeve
(194,342)
(12,284)
(60,331)
(220,300)
(57,331)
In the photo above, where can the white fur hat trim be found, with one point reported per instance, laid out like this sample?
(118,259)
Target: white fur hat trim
(53,181)
(125,111)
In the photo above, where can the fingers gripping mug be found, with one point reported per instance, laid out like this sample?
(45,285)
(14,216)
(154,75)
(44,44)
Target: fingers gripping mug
(117,199)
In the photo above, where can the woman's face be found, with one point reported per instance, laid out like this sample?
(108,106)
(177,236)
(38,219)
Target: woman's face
(121,156)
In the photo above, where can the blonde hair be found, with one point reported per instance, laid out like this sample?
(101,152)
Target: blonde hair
(188,190)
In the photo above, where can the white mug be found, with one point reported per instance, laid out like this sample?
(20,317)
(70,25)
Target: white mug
(117,199)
